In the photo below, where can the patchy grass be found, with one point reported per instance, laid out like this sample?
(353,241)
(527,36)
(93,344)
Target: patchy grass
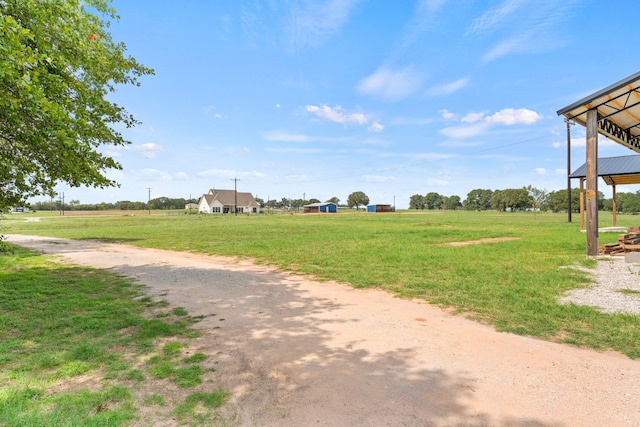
(71,341)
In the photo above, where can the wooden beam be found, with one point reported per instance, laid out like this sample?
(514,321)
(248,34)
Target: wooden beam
(615,205)
(581,204)
(592,182)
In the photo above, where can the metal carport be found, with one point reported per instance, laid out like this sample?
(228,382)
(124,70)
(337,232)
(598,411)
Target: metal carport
(614,112)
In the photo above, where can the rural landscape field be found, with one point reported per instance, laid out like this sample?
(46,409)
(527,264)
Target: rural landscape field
(510,274)
(505,270)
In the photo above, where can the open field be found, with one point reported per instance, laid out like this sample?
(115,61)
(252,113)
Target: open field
(511,277)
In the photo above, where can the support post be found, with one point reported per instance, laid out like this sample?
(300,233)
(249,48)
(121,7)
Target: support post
(581,204)
(569,123)
(615,206)
(592,182)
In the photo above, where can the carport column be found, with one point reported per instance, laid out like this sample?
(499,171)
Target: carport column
(592,182)
(615,205)
(581,204)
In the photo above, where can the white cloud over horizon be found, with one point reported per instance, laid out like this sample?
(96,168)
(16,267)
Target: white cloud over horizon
(477,123)
(391,84)
(448,88)
(148,150)
(336,114)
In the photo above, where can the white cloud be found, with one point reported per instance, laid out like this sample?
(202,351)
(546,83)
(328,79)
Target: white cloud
(148,150)
(424,19)
(515,44)
(376,127)
(493,18)
(603,141)
(211,109)
(510,116)
(448,88)
(524,26)
(541,171)
(391,84)
(561,171)
(558,144)
(337,114)
(447,115)
(311,23)
(277,105)
(475,124)
(472,117)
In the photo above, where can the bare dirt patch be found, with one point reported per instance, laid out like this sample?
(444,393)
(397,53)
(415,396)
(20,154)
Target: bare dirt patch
(294,352)
(480,241)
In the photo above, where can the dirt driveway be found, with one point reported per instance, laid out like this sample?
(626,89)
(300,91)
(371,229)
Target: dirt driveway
(294,352)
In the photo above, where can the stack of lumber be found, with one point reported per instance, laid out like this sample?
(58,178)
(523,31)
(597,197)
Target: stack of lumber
(629,242)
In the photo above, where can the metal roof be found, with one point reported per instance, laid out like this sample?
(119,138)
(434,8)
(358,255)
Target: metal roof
(318,204)
(618,109)
(614,170)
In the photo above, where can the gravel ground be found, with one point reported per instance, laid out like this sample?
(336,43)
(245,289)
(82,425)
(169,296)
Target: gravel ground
(293,352)
(615,288)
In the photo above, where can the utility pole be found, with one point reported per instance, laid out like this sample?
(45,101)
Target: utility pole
(235,194)
(149,200)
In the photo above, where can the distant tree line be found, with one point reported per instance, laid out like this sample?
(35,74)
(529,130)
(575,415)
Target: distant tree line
(510,199)
(519,199)
(125,205)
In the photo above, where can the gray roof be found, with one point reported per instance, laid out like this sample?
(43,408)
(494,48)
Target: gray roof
(614,170)
(228,198)
(618,107)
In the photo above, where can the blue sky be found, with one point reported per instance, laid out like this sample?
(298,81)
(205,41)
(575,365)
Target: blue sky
(315,99)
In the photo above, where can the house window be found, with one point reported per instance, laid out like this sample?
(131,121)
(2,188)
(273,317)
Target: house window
(216,209)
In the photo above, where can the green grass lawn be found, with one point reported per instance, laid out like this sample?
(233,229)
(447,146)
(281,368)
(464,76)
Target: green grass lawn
(73,345)
(513,284)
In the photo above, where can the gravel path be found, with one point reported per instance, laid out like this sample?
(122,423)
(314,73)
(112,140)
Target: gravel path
(294,352)
(616,288)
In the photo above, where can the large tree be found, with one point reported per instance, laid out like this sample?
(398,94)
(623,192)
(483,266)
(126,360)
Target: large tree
(58,63)
(417,202)
(478,200)
(451,202)
(356,199)
(513,199)
(433,200)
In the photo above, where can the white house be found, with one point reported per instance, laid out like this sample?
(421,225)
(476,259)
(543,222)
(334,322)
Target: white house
(227,201)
